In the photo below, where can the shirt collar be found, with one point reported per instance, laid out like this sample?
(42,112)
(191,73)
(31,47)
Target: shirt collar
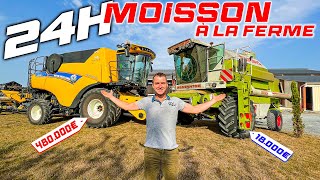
(154,98)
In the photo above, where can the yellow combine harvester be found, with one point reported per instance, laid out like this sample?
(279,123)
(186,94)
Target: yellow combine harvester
(12,97)
(70,83)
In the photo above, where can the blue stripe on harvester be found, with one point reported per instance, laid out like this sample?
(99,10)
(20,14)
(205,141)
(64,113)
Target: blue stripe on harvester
(72,78)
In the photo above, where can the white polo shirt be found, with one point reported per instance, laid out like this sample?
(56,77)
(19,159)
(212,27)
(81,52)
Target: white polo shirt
(161,121)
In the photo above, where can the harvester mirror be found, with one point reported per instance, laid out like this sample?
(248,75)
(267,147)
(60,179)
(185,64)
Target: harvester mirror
(127,50)
(242,64)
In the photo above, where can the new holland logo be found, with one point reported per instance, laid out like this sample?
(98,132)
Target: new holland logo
(73,78)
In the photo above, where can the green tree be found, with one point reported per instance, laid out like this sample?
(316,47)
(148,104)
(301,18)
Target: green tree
(298,125)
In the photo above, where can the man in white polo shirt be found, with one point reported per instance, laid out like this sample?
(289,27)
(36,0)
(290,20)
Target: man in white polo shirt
(161,150)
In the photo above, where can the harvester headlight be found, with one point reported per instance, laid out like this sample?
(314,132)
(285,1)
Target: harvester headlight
(140,115)
(214,85)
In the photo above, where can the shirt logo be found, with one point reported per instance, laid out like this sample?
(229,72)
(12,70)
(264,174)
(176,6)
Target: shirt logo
(172,104)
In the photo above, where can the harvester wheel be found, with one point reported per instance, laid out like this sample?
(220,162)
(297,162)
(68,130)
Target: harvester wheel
(274,120)
(184,118)
(101,111)
(39,112)
(228,117)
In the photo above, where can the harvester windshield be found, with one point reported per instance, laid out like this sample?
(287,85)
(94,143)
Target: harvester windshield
(134,68)
(186,66)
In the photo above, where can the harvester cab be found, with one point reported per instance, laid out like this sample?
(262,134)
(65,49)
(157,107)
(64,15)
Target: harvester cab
(134,63)
(70,83)
(253,93)
(197,63)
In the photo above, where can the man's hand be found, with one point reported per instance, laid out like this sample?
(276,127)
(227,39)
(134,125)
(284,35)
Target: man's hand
(123,105)
(107,94)
(220,97)
(188,108)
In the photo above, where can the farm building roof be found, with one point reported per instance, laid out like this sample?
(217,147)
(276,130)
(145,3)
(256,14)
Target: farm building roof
(294,71)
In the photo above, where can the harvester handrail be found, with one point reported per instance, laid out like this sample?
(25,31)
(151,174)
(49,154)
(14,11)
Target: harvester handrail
(237,54)
(33,64)
(236,57)
(32,68)
(244,49)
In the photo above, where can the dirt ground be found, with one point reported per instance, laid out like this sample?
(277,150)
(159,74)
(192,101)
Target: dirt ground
(117,153)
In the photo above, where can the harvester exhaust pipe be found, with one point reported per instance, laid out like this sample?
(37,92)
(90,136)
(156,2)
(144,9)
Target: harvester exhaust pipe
(265,93)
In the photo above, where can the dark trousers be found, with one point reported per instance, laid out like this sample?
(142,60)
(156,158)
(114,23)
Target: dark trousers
(160,159)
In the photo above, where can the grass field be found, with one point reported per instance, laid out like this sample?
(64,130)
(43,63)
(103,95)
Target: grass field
(117,153)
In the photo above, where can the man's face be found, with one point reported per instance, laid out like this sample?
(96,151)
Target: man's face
(160,85)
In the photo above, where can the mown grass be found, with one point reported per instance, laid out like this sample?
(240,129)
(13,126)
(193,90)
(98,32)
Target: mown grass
(117,153)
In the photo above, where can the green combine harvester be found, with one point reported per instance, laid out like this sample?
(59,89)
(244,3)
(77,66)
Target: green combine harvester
(253,93)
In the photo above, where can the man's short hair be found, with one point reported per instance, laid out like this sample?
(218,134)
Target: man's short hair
(159,74)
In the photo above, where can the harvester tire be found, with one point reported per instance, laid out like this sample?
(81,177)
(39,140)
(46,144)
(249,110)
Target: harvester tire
(274,120)
(100,110)
(228,117)
(39,112)
(184,118)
